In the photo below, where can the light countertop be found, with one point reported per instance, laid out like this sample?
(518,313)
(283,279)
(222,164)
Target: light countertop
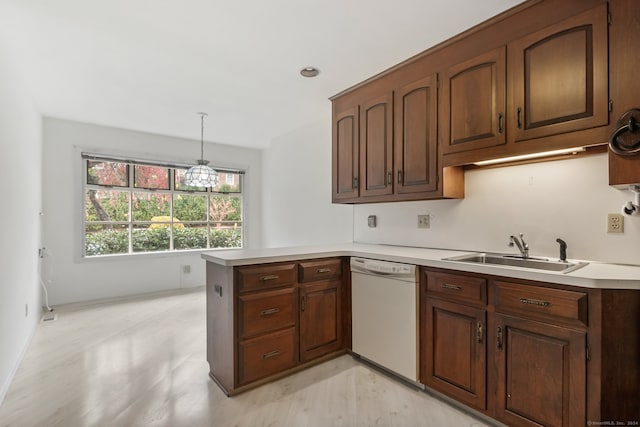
(593,275)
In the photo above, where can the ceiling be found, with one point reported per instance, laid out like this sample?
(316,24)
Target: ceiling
(152,65)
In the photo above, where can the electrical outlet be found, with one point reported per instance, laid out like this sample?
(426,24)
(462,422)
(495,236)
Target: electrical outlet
(372,221)
(186,269)
(424,221)
(615,223)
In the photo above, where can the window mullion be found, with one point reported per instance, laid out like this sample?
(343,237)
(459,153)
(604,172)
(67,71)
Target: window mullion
(172,218)
(130,211)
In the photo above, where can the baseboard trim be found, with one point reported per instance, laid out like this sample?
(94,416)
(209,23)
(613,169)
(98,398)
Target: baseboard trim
(5,386)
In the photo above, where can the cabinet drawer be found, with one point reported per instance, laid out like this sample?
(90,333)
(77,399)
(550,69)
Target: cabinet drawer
(457,286)
(569,307)
(266,311)
(311,271)
(266,355)
(264,277)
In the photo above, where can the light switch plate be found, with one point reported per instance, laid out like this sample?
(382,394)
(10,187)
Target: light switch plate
(371,221)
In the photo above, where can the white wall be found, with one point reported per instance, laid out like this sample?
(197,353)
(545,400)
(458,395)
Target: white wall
(71,278)
(297,207)
(20,175)
(569,199)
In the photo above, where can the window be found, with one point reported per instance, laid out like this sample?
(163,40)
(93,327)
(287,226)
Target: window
(137,207)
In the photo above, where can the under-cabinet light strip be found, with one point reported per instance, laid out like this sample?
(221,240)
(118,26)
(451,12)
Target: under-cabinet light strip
(531,156)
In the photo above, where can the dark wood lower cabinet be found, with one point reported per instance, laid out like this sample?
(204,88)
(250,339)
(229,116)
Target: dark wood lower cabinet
(531,353)
(454,359)
(266,355)
(320,319)
(541,373)
(269,320)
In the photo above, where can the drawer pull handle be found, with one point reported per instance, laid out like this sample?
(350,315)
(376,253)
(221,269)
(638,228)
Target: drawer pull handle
(479,332)
(323,270)
(270,354)
(270,277)
(499,338)
(452,287)
(269,311)
(535,302)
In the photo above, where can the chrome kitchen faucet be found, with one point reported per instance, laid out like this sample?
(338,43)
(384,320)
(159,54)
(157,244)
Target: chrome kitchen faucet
(521,244)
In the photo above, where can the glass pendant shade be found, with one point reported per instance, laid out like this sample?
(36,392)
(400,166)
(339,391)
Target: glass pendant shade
(201,175)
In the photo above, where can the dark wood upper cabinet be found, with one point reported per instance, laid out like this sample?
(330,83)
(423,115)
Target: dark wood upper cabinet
(474,103)
(532,79)
(558,78)
(549,91)
(624,57)
(392,154)
(345,154)
(376,146)
(416,149)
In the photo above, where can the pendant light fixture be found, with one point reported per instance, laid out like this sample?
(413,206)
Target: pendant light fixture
(201,175)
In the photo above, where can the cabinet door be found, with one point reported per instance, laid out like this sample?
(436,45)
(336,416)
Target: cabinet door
(624,56)
(345,154)
(454,351)
(558,78)
(474,103)
(541,374)
(320,319)
(376,146)
(415,142)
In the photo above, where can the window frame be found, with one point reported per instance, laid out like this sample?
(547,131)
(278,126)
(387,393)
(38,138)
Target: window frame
(131,189)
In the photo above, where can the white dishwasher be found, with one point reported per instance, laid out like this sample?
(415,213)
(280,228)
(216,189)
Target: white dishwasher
(384,309)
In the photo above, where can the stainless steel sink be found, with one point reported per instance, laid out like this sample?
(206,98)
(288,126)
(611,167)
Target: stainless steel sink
(518,262)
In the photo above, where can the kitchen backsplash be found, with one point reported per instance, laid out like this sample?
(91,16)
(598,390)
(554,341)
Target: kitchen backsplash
(569,199)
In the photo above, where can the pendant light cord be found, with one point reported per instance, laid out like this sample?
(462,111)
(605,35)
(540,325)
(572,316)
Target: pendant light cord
(202,115)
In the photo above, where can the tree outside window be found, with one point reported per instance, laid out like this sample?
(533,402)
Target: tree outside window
(136,208)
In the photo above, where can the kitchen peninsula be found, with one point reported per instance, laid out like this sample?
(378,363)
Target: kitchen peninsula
(584,326)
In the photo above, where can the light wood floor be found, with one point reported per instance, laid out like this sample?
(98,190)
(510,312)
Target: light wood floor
(141,362)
